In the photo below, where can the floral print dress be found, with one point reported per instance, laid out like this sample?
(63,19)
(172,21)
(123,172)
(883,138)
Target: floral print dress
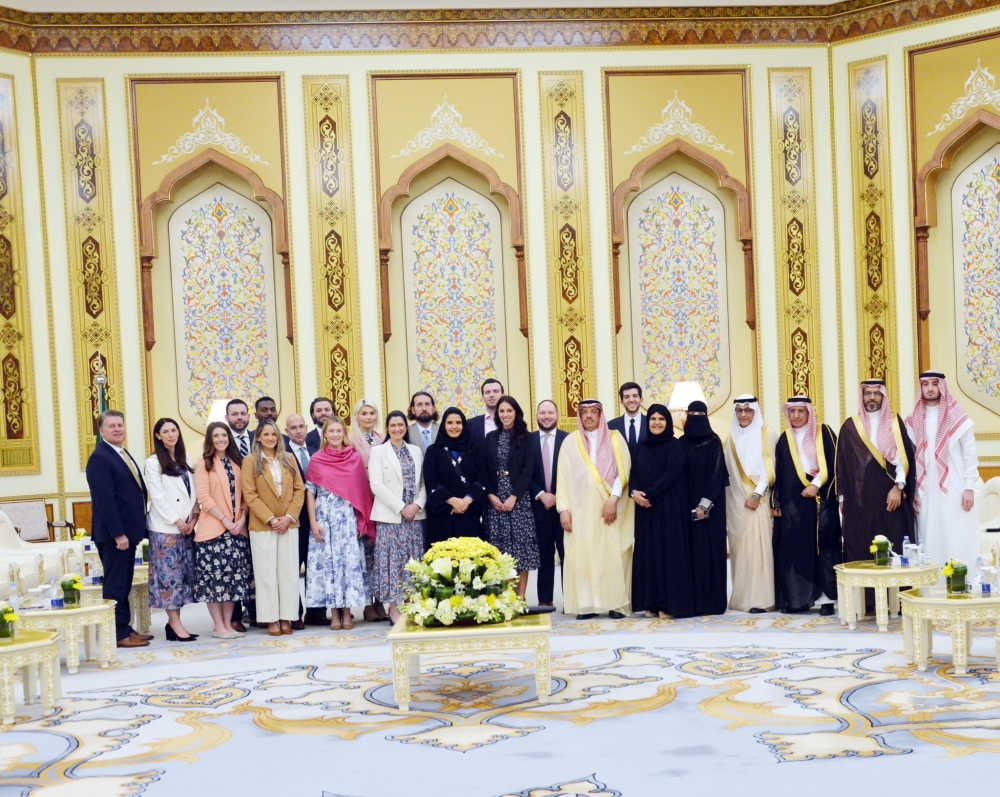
(222,564)
(397,543)
(336,576)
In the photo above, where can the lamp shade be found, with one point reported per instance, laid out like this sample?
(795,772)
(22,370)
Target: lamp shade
(218,411)
(683,394)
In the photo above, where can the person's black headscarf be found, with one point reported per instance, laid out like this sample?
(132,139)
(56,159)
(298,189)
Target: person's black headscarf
(697,425)
(667,434)
(462,443)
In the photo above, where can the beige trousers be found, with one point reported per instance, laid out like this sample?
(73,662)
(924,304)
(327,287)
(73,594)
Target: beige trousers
(276,574)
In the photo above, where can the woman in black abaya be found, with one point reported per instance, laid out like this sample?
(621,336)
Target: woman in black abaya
(455,500)
(707,479)
(661,570)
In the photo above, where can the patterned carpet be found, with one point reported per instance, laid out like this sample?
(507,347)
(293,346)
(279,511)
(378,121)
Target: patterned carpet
(748,704)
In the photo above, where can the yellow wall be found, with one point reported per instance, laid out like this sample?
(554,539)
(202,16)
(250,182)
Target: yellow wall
(61,478)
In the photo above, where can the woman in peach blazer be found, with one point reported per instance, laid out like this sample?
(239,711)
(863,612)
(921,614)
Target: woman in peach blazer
(222,552)
(274,492)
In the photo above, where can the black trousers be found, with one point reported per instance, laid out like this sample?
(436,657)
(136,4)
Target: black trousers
(550,539)
(119,567)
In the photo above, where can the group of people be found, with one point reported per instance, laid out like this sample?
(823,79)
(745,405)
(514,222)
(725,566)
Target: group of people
(642,520)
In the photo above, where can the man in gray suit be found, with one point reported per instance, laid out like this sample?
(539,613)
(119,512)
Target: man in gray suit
(423,413)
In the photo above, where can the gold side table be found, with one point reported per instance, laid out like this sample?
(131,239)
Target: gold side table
(138,599)
(409,641)
(854,577)
(74,622)
(28,651)
(921,607)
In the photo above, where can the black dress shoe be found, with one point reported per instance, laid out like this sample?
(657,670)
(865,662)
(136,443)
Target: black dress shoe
(616,615)
(799,610)
(315,619)
(590,616)
(755,610)
(826,610)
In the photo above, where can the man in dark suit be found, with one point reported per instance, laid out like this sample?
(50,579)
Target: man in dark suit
(321,410)
(265,409)
(295,442)
(118,503)
(492,391)
(633,425)
(546,442)
(238,418)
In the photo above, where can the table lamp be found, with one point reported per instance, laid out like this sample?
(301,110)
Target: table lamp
(218,411)
(681,396)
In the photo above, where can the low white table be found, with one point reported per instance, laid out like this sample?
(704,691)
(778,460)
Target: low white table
(27,652)
(409,641)
(74,621)
(921,607)
(854,577)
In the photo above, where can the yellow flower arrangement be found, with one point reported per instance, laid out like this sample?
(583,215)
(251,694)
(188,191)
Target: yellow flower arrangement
(873,548)
(9,615)
(79,534)
(948,571)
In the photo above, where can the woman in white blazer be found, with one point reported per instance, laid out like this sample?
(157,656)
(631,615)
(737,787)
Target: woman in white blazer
(395,471)
(172,516)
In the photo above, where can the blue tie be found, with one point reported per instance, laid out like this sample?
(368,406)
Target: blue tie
(427,438)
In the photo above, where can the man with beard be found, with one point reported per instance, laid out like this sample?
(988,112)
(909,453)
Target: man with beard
(238,418)
(320,410)
(424,430)
(947,469)
(481,425)
(547,442)
(806,512)
(594,467)
(874,480)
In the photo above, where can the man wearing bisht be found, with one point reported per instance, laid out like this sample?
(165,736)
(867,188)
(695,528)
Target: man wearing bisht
(750,461)
(947,469)
(806,513)
(874,478)
(596,515)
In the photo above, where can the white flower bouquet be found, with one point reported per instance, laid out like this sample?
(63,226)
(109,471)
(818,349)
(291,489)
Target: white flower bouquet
(462,580)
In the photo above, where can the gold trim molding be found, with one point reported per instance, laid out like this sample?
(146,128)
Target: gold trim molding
(86,186)
(18,421)
(797,264)
(557,29)
(873,253)
(331,218)
(567,240)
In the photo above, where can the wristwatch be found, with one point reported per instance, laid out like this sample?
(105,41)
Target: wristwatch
(756,496)
(901,485)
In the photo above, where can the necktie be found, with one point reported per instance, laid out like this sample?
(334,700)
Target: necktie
(427,438)
(131,467)
(547,461)
(244,445)
(631,433)
(303,459)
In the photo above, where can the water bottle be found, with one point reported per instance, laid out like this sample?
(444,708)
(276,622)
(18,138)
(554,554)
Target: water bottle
(55,594)
(13,598)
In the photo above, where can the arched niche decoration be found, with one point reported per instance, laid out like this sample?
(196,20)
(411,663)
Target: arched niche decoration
(926,215)
(724,180)
(165,193)
(496,186)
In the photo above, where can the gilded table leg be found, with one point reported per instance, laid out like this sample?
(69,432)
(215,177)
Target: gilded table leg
(847,611)
(841,603)
(919,643)
(894,602)
(929,637)
(859,602)
(145,619)
(88,632)
(959,645)
(413,669)
(72,647)
(6,693)
(908,637)
(400,676)
(969,636)
(28,683)
(49,693)
(881,609)
(56,676)
(543,673)
(107,635)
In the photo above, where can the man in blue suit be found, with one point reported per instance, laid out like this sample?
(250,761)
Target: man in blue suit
(118,505)
(546,443)
(633,425)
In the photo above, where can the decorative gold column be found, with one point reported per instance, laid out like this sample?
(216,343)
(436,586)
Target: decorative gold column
(332,222)
(93,281)
(567,241)
(18,424)
(793,166)
(873,254)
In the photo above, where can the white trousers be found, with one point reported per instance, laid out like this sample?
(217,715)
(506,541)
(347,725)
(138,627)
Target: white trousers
(276,574)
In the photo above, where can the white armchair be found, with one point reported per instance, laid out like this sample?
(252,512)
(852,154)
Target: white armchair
(988,509)
(12,547)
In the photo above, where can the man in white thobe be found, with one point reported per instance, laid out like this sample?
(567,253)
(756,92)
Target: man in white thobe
(947,469)
(597,517)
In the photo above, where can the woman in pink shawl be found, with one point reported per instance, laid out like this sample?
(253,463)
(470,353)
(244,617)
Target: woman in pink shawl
(365,434)
(340,504)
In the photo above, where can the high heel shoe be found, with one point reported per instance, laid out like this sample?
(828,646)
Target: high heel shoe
(173,637)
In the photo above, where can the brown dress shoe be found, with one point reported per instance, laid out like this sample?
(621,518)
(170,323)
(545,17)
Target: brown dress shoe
(141,637)
(130,642)
(238,626)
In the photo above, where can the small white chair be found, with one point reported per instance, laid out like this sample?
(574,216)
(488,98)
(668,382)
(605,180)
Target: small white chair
(988,508)
(31,522)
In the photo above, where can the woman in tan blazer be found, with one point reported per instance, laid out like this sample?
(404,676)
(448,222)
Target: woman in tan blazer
(222,553)
(274,492)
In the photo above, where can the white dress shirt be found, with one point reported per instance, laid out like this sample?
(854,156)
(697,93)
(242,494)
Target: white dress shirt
(489,423)
(616,488)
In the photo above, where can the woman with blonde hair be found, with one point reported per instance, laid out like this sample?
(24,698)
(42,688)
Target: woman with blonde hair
(340,503)
(274,492)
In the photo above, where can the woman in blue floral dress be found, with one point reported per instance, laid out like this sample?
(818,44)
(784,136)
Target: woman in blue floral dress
(340,504)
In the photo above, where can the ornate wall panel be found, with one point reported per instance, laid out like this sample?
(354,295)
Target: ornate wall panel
(875,282)
(331,216)
(18,424)
(86,181)
(568,242)
(795,231)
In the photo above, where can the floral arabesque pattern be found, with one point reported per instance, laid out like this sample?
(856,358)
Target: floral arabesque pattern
(454,300)
(225,304)
(681,324)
